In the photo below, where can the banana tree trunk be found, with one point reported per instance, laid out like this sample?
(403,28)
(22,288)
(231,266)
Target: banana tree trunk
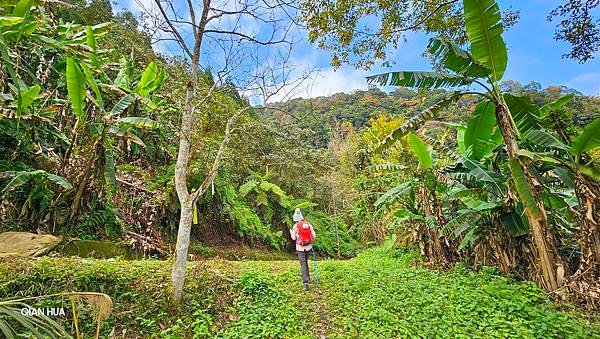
(434,245)
(87,173)
(548,260)
(447,246)
(589,219)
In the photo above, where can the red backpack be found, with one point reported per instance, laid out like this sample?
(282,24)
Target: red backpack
(303,233)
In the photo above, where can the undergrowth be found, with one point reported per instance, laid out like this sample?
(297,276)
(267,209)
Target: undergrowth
(380,293)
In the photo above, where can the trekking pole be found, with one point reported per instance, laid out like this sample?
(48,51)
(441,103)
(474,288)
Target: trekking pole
(337,235)
(315,271)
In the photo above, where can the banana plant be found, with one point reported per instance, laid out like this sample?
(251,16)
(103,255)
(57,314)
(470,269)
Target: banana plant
(29,22)
(574,166)
(79,77)
(419,198)
(39,193)
(13,27)
(483,65)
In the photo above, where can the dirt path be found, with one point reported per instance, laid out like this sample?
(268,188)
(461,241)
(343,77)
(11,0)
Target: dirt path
(314,301)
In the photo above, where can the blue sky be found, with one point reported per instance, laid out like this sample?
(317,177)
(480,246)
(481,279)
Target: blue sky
(533,55)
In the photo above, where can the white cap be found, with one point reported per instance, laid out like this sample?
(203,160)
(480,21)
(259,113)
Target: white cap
(297,215)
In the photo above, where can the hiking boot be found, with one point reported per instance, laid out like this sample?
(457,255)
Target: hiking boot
(305,286)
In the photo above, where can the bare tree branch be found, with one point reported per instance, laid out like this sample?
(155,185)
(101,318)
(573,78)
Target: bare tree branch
(215,166)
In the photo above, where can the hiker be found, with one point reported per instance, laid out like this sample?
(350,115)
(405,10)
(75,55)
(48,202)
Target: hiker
(303,233)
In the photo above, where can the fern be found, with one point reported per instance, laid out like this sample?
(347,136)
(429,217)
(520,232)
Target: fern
(103,219)
(247,187)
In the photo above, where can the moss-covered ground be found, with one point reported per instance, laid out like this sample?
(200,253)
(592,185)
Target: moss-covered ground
(377,294)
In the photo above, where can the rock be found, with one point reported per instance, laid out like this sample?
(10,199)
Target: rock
(23,244)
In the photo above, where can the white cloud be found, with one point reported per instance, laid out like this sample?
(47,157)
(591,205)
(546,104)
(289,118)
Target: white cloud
(323,82)
(587,83)
(332,81)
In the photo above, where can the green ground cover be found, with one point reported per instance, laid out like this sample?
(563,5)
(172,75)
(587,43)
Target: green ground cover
(377,294)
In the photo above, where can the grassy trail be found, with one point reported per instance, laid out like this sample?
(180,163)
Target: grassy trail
(379,294)
(382,295)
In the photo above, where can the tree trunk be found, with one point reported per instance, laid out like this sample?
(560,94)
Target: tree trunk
(589,215)
(85,179)
(549,262)
(181,249)
(447,246)
(584,284)
(436,249)
(185,200)
(183,156)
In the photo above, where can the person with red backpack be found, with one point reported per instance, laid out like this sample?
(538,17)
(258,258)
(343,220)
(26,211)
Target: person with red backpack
(304,235)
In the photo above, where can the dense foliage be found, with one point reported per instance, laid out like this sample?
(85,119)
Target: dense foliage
(519,176)
(468,167)
(89,139)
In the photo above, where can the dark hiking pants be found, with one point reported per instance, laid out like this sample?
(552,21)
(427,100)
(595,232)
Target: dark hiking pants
(303,257)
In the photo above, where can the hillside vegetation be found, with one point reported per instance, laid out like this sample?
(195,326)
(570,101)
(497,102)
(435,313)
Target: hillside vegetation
(484,191)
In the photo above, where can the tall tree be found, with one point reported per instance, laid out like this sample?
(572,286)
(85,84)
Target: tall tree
(362,32)
(254,61)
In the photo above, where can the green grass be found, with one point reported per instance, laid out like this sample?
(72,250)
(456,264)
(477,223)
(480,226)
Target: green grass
(377,294)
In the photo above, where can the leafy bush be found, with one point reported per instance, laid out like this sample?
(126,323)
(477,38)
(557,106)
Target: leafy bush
(102,219)
(247,222)
(326,242)
(141,301)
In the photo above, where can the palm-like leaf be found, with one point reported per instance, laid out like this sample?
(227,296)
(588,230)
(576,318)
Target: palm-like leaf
(41,326)
(247,187)
(139,122)
(545,139)
(419,148)
(557,104)
(273,188)
(521,184)
(514,223)
(524,112)
(148,80)
(60,181)
(463,221)
(124,133)
(301,203)
(23,177)
(123,78)
(394,193)
(470,199)
(10,20)
(588,140)
(479,134)
(122,105)
(76,88)
(484,31)
(480,172)
(456,59)
(110,177)
(262,199)
(416,121)
(419,79)
(93,85)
